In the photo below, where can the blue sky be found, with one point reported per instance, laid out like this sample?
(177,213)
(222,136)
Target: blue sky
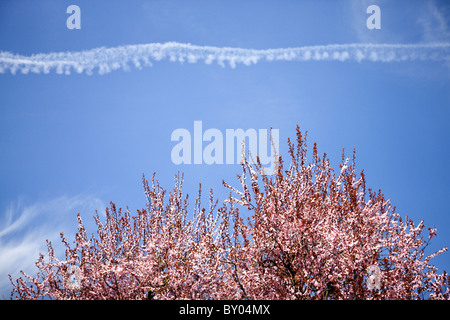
(73,143)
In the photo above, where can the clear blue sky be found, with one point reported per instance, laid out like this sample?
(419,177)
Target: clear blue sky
(72,143)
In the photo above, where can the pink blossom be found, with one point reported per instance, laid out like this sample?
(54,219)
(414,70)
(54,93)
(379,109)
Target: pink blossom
(302,233)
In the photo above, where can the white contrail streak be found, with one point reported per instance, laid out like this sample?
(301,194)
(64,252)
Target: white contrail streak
(105,60)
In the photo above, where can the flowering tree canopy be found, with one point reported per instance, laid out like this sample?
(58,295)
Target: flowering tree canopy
(307,233)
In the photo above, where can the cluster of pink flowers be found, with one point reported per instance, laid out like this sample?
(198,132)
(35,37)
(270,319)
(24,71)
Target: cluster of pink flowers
(303,233)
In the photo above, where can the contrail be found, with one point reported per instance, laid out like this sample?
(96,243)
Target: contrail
(105,60)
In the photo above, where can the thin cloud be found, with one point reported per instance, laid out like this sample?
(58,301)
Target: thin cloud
(434,23)
(105,60)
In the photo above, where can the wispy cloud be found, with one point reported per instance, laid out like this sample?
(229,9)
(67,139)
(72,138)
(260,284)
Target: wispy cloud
(104,60)
(434,22)
(25,228)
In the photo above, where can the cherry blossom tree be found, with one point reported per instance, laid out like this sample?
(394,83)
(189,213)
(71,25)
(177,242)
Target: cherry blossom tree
(157,254)
(315,234)
(305,232)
